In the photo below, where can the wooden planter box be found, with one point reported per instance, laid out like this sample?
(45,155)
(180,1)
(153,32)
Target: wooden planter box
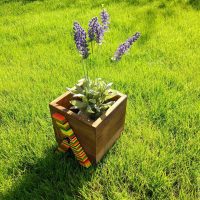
(95,137)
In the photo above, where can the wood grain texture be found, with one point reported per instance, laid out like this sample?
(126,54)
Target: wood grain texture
(95,137)
(110,128)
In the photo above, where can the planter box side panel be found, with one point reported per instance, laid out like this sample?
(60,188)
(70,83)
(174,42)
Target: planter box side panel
(55,127)
(85,133)
(86,136)
(110,129)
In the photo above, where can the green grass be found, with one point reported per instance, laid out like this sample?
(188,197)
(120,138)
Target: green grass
(157,155)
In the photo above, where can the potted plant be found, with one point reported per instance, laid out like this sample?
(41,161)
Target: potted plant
(94,111)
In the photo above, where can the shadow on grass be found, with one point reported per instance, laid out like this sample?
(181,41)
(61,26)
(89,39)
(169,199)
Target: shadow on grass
(57,176)
(149,26)
(195,4)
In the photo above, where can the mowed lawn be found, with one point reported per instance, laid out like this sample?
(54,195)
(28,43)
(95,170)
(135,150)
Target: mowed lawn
(157,156)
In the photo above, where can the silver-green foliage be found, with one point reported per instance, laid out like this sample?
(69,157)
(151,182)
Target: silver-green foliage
(92,97)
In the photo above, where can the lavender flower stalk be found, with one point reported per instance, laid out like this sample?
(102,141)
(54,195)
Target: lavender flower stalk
(123,48)
(105,19)
(92,28)
(95,31)
(99,34)
(80,40)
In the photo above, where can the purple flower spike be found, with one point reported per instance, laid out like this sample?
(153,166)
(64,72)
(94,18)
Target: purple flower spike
(123,48)
(95,31)
(80,40)
(99,34)
(105,19)
(92,28)
(133,38)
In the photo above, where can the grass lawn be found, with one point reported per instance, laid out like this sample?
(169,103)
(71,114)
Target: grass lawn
(157,155)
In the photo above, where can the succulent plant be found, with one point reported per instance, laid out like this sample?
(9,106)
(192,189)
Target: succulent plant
(92,97)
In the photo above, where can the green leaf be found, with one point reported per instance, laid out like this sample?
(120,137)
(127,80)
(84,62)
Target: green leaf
(69,89)
(107,105)
(92,101)
(78,104)
(79,88)
(81,80)
(97,108)
(89,109)
(78,95)
(108,86)
(74,107)
(110,96)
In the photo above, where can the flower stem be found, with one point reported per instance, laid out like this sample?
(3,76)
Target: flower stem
(91,58)
(84,71)
(92,46)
